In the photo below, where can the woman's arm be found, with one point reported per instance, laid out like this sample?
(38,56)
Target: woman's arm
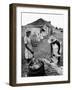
(29,48)
(26,45)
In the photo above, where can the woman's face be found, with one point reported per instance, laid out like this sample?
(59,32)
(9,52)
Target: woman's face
(28,34)
(51,39)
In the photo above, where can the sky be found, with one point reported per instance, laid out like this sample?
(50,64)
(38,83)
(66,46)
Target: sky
(57,20)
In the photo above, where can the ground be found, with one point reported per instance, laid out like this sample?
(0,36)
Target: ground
(43,51)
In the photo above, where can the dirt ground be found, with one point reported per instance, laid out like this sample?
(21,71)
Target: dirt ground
(43,51)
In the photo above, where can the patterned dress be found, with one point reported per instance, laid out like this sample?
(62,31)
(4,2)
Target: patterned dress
(27,41)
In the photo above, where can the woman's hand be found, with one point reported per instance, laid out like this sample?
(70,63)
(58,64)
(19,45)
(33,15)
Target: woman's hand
(32,52)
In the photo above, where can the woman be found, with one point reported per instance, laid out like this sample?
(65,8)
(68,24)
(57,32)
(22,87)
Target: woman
(42,33)
(55,49)
(28,47)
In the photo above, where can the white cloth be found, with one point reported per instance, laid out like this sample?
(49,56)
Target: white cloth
(55,49)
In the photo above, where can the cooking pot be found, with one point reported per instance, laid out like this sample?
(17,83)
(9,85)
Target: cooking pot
(36,69)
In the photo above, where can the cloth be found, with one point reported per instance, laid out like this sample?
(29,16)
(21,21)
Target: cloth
(55,49)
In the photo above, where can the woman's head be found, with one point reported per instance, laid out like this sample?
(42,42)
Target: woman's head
(28,33)
(52,39)
(42,30)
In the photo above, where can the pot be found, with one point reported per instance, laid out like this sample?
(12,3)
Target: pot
(36,70)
